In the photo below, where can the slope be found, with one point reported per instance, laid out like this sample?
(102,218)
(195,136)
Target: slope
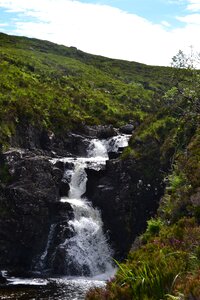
(60,88)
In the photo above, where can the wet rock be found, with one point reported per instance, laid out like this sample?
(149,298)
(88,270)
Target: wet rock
(69,166)
(3,280)
(60,212)
(60,165)
(127,129)
(57,175)
(27,206)
(105,132)
(58,264)
(100,131)
(125,205)
(93,179)
(35,139)
(113,155)
(55,259)
(64,188)
(71,144)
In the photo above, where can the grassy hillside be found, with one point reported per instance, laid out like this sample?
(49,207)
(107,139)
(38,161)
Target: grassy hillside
(57,87)
(165,261)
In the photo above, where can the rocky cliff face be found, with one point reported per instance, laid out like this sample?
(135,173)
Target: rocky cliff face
(29,201)
(31,187)
(126,198)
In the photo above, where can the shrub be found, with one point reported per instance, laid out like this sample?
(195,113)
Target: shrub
(153,228)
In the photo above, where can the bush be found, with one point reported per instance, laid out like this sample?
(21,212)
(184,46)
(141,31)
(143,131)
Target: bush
(153,228)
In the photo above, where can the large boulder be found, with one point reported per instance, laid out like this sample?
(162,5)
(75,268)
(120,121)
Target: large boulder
(37,139)
(100,131)
(71,144)
(127,129)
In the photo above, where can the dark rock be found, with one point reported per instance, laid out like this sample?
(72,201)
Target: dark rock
(100,131)
(113,155)
(55,260)
(71,144)
(69,166)
(57,175)
(36,139)
(3,280)
(64,188)
(58,263)
(28,204)
(60,212)
(27,137)
(127,129)
(60,165)
(105,132)
(126,198)
(93,179)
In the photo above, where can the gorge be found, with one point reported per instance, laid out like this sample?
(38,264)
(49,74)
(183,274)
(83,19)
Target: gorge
(54,228)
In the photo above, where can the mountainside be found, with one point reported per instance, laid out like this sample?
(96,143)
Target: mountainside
(56,88)
(49,92)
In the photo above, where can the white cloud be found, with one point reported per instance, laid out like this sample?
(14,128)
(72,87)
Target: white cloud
(165,23)
(190,19)
(194,5)
(3,24)
(101,29)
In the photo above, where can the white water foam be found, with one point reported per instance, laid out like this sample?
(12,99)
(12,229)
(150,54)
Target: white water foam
(88,249)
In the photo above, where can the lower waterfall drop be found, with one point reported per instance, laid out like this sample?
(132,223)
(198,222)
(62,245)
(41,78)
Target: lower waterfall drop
(87,250)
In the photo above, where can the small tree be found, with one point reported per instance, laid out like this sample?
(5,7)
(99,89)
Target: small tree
(186,61)
(185,95)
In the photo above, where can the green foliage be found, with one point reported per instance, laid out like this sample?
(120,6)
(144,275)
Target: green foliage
(158,269)
(153,228)
(60,88)
(175,180)
(167,264)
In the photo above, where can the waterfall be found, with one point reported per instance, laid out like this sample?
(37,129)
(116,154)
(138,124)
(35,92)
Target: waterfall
(86,250)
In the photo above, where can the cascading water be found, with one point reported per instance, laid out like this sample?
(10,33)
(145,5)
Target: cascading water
(87,249)
(85,252)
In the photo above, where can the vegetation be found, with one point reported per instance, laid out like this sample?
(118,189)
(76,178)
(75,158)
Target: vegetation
(166,264)
(60,88)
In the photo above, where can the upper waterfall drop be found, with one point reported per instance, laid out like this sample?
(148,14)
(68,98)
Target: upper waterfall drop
(78,180)
(98,149)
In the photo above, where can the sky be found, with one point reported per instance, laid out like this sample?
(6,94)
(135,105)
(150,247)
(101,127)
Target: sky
(146,31)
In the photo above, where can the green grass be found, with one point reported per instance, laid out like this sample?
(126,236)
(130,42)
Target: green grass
(56,87)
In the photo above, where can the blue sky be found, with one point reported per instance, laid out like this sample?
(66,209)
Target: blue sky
(153,10)
(147,31)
